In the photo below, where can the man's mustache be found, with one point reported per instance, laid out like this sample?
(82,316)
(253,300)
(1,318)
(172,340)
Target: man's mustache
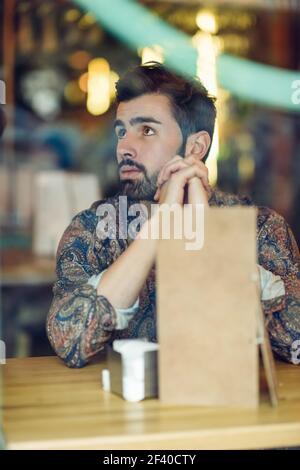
(136,165)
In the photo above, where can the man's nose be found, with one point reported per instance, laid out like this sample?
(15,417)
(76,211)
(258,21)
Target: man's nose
(127,148)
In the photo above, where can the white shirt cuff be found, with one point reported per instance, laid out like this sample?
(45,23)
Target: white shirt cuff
(124,315)
(271,285)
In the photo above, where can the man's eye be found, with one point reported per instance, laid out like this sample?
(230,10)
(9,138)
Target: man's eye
(148,130)
(121,133)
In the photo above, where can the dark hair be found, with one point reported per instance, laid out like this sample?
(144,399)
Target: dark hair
(192,107)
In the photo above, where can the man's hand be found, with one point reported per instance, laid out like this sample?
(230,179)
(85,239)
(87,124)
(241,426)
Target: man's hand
(196,192)
(179,173)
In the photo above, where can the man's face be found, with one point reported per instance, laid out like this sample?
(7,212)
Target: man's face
(148,137)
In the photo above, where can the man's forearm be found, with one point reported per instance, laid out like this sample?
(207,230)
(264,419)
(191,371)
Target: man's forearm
(124,279)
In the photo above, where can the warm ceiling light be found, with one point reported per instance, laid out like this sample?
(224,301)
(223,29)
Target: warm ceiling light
(150,54)
(83,82)
(207,22)
(98,86)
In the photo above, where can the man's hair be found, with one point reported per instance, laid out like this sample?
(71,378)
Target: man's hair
(192,107)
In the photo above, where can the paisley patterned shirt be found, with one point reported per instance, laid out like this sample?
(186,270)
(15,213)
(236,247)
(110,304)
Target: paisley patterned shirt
(80,322)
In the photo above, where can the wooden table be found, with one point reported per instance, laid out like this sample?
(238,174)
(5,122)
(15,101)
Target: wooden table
(48,406)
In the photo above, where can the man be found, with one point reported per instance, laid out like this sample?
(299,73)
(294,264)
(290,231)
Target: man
(105,287)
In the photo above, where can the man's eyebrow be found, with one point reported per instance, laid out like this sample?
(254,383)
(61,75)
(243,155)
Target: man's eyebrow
(118,123)
(137,120)
(143,119)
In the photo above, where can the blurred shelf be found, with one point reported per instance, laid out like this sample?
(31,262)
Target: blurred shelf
(22,267)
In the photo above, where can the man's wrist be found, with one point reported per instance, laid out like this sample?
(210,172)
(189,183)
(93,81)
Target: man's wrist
(149,230)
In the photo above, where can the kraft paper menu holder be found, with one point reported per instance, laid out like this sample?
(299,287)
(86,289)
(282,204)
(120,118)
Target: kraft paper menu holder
(210,323)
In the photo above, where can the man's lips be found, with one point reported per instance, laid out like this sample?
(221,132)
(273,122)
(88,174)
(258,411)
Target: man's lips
(129,170)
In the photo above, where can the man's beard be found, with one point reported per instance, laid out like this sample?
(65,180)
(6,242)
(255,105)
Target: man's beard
(143,189)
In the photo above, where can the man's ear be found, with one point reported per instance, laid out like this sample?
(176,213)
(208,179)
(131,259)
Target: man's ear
(197,145)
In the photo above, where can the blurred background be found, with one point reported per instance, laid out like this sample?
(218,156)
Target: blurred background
(59,61)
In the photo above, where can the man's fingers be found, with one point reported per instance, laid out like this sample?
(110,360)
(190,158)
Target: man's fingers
(178,163)
(168,170)
(202,173)
(175,159)
(180,179)
(184,175)
(159,190)
(191,160)
(203,168)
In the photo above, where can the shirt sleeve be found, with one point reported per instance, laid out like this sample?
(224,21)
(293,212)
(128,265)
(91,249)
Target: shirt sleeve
(79,321)
(124,315)
(278,254)
(271,286)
